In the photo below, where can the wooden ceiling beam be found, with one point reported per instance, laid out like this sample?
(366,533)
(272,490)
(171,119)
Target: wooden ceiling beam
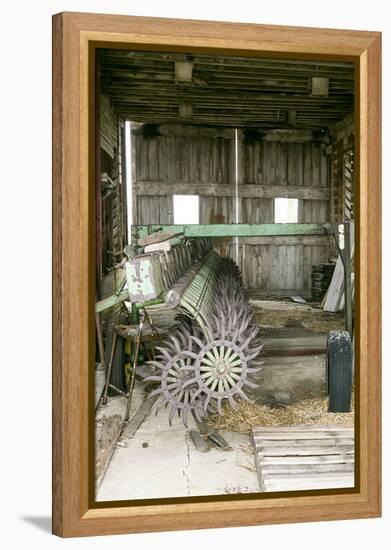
(230,123)
(265,73)
(140,56)
(253,117)
(239,91)
(248,96)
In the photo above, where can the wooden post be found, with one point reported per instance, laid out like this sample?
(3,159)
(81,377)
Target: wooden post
(133,169)
(122,152)
(348,279)
(98,189)
(239,178)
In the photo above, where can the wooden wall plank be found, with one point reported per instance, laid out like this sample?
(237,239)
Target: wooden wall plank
(190,186)
(107,122)
(280,167)
(182,163)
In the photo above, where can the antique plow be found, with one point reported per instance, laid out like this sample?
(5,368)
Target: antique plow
(210,358)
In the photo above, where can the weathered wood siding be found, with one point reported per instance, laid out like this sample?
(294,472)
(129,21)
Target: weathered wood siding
(108,126)
(283,265)
(298,168)
(342,173)
(112,201)
(184,160)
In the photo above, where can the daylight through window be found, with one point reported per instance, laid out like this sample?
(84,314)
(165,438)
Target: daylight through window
(285,210)
(186,209)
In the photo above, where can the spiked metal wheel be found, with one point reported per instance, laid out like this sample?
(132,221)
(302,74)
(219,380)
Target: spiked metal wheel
(173,375)
(221,369)
(212,355)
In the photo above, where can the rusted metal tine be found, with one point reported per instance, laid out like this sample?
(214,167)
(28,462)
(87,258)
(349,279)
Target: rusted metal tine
(100,339)
(117,390)
(110,365)
(131,387)
(154,330)
(109,368)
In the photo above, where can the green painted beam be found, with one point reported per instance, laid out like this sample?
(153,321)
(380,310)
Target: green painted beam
(236,230)
(111,301)
(115,299)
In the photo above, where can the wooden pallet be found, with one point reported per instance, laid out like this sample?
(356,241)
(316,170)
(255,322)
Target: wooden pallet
(304,457)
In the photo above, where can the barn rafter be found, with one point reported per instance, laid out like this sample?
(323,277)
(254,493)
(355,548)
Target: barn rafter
(159,87)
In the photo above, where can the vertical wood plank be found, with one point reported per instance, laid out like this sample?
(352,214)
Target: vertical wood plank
(282,271)
(307,266)
(290,266)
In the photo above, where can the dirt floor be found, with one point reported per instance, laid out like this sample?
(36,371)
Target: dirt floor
(289,315)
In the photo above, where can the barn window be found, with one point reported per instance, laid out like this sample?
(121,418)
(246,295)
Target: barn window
(186,209)
(285,210)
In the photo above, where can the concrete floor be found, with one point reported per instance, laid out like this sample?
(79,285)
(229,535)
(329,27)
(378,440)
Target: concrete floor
(160,461)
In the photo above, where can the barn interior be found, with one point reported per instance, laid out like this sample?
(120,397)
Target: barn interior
(252,158)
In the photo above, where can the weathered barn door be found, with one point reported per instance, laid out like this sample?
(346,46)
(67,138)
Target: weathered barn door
(184,161)
(238,181)
(295,166)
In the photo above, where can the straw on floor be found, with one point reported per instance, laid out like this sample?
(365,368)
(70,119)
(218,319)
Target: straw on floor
(251,414)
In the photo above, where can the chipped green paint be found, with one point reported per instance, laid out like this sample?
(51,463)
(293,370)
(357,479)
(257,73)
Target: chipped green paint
(236,230)
(115,299)
(143,275)
(111,301)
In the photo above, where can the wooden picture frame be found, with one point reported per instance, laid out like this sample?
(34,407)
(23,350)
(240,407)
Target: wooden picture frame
(75,36)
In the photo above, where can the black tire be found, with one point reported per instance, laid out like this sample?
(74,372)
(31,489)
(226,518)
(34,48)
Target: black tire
(339,360)
(117,377)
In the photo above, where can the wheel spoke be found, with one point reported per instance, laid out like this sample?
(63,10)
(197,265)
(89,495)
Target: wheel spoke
(227,354)
(231,381)
(235,363)
(236,369)
(214,384)
(211,356)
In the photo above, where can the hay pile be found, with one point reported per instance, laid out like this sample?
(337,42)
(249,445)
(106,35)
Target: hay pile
(251,414)
(320,322)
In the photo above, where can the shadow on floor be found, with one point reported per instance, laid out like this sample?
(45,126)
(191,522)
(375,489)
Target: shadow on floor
(44,523)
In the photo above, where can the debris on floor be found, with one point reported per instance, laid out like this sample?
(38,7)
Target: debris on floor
(107,430)
(160,461)
(213,436)
(109,423)
(200,441)
(251,414)
(284,314)
(292,378)
(298,299)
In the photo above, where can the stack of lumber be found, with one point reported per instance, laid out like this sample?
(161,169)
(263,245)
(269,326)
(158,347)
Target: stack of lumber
(320,278)
(304,457)
(334,299)
(335,291)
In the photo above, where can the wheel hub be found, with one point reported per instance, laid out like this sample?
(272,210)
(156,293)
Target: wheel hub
(221,367)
